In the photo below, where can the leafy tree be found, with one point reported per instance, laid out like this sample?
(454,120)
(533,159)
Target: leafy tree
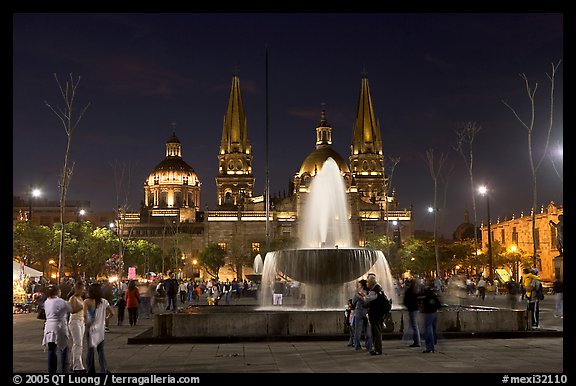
(103,245)
(212,258)
(390,249)
(418,256)
(32,244)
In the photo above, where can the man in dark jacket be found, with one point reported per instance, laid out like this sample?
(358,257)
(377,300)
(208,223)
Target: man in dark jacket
(430,306)
(376,320)
(411,303)
(171,286)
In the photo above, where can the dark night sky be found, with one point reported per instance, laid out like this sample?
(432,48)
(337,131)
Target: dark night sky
(427,73)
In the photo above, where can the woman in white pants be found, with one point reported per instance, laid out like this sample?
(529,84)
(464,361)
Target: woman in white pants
(76,326)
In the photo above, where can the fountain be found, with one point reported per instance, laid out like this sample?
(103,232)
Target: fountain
(256,276)
(326,264)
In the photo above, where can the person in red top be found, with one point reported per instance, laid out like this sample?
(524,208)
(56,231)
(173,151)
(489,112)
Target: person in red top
(132,301)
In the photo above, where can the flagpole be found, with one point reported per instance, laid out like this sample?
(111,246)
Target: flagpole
(267,189)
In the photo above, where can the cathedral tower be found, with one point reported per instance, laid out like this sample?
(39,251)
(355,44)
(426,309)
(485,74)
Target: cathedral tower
(235,181)
(366,157)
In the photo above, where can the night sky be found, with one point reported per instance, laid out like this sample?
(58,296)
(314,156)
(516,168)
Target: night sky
(427,73)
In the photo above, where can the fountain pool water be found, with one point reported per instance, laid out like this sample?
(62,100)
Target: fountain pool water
(327,264)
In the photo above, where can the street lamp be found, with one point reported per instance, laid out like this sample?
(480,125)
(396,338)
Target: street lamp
(483,190)
(80,213)
(436,251)
(194,267)
(34,193)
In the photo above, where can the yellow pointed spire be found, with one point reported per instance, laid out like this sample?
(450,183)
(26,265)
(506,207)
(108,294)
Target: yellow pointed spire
(366,137)
(235,181)
(234,129)
(366,158)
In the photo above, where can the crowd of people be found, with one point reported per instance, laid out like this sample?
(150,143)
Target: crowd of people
(78,314)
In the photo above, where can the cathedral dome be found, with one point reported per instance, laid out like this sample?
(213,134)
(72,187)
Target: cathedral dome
(315,160)
(173,168)
(173,184)
(173,164)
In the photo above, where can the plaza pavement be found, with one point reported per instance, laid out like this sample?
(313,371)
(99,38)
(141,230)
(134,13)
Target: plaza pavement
(538,352)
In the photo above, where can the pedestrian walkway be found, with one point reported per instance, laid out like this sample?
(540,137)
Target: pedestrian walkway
(529,355)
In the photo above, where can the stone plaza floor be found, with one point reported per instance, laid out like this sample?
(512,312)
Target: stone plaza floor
(537,353)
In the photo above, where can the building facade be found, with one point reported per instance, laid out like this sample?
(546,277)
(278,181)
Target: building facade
(517,232)
(172,217)
(45,212)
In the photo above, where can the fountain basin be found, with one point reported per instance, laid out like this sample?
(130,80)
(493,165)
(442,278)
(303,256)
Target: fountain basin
(241,322)
(325,265)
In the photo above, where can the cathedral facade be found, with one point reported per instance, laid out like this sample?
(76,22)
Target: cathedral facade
(171,214)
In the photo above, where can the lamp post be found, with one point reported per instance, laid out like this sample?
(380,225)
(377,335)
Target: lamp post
(33,194)
(484,191)
(436,251)
(194,264)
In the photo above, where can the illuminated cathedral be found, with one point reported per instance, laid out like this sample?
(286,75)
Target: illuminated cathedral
(171,210)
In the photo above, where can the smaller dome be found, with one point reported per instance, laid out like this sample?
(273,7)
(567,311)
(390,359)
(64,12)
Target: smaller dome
(173,164)
(315,160)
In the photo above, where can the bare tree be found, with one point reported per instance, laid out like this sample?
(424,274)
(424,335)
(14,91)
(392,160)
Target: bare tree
(529,125)
(122,177)
(66,116)
(465,135)
(435,173)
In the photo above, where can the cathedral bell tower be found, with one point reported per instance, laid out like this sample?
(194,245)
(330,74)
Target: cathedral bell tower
(366,157)
(235,181)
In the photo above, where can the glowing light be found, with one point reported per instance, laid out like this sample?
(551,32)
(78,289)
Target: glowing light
(483,190)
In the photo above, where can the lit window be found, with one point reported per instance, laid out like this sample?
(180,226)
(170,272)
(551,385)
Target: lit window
(222,246)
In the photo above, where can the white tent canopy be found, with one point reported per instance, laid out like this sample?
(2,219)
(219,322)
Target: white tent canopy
(27,270)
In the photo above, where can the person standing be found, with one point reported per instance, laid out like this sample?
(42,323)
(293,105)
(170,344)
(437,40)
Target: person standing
(96,311)
(481,285)
(411,304)
(374,318)
(145,308)
(121,304)
(171,285)
(56,329)
(528,277)
(160,297)
(360,318)
(430,306)
(513,289)
(278,289)
(558,289)
(76,326)
(348,320)
(108,294)
(132,302)
(182,289)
